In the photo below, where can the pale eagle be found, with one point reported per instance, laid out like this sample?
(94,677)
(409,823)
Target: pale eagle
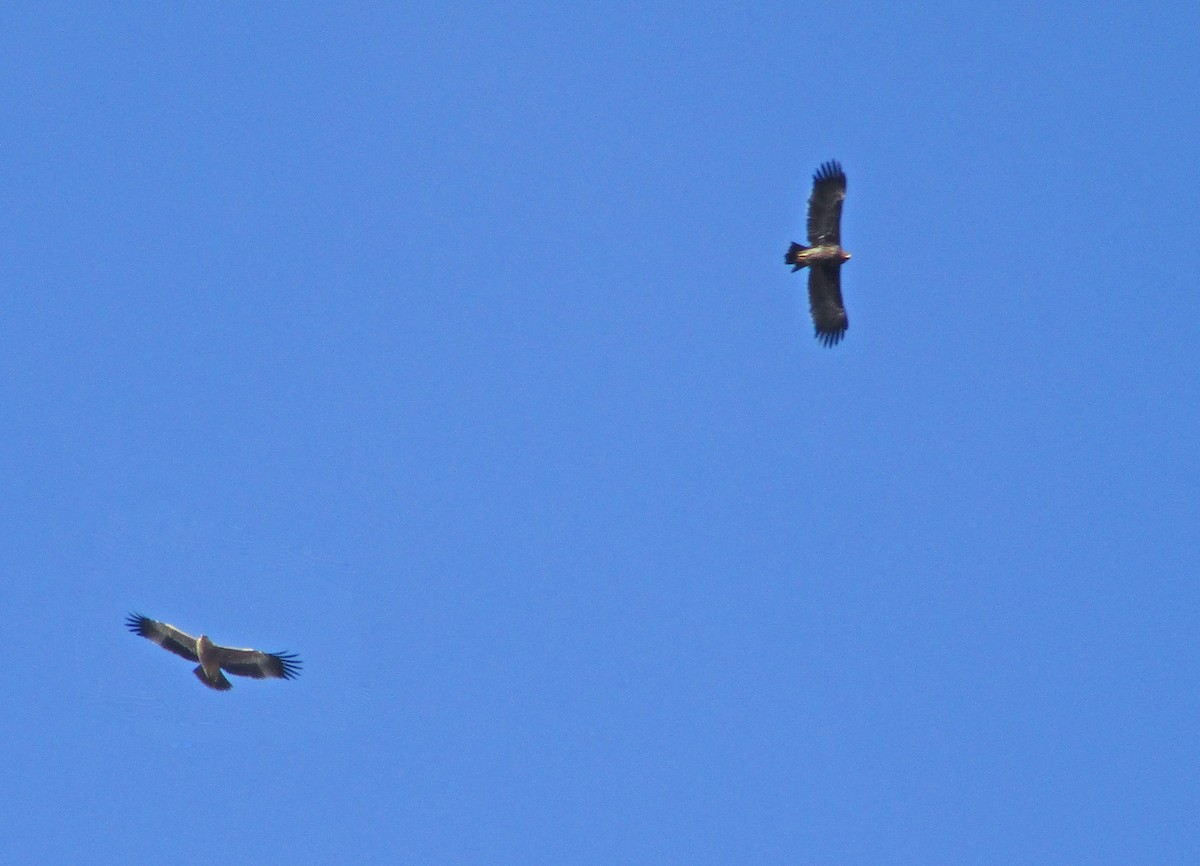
(213,658)
(824,255)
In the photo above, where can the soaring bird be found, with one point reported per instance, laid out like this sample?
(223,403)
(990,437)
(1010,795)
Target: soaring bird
(824,255)
(214,658)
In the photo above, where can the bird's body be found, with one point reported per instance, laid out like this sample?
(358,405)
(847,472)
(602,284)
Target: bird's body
(215,659)
(824,255)
(209,671)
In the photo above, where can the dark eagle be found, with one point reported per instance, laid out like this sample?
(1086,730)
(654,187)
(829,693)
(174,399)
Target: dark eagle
(214,658)
(824,255)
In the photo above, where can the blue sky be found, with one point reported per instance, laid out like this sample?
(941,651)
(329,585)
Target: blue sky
(452,348)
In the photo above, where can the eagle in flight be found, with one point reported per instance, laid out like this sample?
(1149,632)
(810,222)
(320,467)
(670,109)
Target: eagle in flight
(824,255)
(215,659)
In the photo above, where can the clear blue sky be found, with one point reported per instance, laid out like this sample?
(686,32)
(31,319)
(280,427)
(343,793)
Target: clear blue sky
(452,349)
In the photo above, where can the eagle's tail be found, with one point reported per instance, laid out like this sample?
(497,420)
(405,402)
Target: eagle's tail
(792,257)
(218,682)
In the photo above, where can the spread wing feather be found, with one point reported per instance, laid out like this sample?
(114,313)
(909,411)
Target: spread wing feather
(257,664)
(825,205)
(166,636)
(825,302)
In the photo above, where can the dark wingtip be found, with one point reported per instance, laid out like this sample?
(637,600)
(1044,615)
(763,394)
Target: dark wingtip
(134,622)
(290,664)
(830,338)
(831,170)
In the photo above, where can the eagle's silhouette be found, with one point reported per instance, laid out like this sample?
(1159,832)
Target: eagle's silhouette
(824,255)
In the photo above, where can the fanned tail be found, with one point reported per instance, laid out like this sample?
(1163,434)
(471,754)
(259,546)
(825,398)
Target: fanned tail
(792,257)
(218,682)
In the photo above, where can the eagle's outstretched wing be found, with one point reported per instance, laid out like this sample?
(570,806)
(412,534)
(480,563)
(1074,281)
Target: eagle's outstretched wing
(825,302)
(166,636)
(825,205)
(257,664)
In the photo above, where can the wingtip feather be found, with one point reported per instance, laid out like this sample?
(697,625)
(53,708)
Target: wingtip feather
(289,665)
(830,338)
(829,170)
